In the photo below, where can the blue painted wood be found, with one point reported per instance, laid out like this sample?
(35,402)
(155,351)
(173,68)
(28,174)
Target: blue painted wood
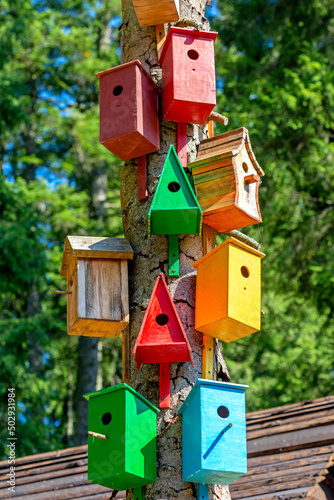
(202,491)
(214,433)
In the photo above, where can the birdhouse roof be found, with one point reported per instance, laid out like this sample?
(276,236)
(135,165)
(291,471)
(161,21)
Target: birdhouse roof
(182,199)
(229,241)
(210,383)
(186,32)
(223,146)
(136,62)
(157,337)
(94,247)
(119,387)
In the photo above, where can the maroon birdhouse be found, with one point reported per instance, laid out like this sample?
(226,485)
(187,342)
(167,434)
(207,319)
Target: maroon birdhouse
(188,75)
(162,338)
(129,111)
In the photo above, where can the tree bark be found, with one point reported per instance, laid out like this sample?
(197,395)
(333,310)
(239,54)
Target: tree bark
(150,258)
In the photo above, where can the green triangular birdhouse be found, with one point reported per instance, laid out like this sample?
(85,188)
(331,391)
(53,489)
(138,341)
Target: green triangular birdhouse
(175,209)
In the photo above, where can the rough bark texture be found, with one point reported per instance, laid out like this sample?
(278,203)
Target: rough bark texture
(150,258)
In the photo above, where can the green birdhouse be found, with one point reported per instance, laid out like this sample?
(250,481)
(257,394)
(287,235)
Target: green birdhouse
(121,438)
(175,209)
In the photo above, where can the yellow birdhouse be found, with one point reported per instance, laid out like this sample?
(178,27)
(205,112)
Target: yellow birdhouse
(97,285)
(228,291)
(227,178)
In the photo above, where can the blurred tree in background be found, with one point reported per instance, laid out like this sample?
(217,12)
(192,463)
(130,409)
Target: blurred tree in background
(274,62)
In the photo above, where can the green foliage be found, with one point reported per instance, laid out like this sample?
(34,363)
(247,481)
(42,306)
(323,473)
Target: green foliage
(275,67)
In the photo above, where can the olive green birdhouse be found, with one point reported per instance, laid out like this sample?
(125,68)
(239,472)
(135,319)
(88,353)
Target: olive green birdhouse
(121,438)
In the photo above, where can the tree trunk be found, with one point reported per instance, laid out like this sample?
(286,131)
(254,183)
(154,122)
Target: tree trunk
(150,258)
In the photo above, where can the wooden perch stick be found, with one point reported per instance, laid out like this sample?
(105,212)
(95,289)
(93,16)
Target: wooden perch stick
(216,117)
(245,239)
(183,23)
(97,435)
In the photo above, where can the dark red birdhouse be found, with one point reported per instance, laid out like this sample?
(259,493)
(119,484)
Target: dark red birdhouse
(188,75)
(129,111)
(162,338)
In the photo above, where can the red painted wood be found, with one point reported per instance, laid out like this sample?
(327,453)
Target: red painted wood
(188,75)
(165,342)
(182,143)
(142,178)
(164,389)
(129,111)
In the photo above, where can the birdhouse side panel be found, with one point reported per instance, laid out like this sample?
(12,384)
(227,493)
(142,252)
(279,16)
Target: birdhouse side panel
(244,285)
(216,185)
(191,438)
(223,434)
(106,457)
(141,431)
(72,297)
(153,13)
(212,290)
(118,105)
(247,198)
(148,111)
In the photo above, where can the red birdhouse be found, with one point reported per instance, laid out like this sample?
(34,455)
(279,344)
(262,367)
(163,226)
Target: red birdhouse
(188,75)
(129,111)
(162,338)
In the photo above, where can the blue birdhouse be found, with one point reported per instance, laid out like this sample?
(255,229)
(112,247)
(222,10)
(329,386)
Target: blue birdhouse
(214,433)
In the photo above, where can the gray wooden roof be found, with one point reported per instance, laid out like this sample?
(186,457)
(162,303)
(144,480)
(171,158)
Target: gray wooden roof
(290,450)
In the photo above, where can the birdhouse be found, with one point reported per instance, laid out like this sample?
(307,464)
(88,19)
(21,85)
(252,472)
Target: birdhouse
(153,13)
(97,285)
(228,291)
(121,438)
(188,75)
(214,433)
(174,209)
(129,111)
(161,338)
(227,179)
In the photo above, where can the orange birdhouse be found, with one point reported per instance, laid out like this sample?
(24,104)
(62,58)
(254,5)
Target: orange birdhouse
(97,285)
(228,291)
(227,178)
(129,111)
(162,338)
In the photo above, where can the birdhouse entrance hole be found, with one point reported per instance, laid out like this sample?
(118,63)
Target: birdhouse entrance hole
(245,271)
(245,167)
(106,418)
(174,187)
(162,319)
(117,90)
(223,412)
(193,54)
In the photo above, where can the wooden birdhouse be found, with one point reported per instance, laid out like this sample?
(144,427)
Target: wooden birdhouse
(129,111)
(162,338)
(228,291)
(97,285)
(214,433)
(153,13)
(227,178)
(121,438)
(188,75)
(174,209)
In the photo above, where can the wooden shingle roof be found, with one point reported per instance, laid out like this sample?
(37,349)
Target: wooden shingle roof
(290,451)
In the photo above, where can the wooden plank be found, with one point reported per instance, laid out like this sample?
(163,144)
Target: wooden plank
(312,403)
(173,251)
(48,476)
(46,456)
(82,264)
(181,148)
(275,488)
(125,292)
(280,429)
(287,456)
(89,491)
(164,393)
(291,494)
(142,178)
(100,247)
(161,38)
(44,469)
(152,13)
(208,238)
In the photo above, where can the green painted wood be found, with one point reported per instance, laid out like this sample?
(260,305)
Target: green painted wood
(139,493)
(173,241)
(127,458)
(174,209)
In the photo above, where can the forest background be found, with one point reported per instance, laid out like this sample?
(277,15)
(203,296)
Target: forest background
(275,74)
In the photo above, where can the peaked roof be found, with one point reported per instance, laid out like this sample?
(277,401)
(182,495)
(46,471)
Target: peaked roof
(119,387)
(174,190)
(290,456)
(161,334)
(223,146)
(94,247)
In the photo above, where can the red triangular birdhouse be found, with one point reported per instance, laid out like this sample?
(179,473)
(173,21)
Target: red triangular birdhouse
(162,338)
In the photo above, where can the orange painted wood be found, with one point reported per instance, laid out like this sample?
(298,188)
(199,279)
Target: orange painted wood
(211,128)
(164,390)
(142,178)
(181,131)
(129,112)
(188,75)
